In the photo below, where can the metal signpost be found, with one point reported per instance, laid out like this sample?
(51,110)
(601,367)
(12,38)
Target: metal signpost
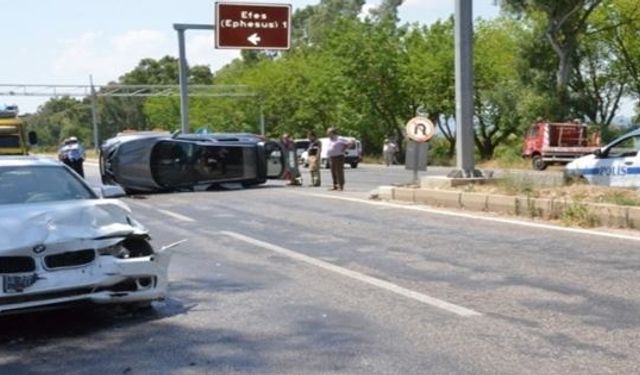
(237,26)
(184,97)
(419,131)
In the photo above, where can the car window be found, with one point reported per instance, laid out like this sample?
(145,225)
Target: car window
(12,141)
(35,184)
(625,148)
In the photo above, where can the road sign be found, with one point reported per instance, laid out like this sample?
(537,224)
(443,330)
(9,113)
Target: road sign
(420,129)
(253,26)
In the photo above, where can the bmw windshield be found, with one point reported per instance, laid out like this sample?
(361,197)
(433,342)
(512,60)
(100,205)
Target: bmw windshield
(35,184)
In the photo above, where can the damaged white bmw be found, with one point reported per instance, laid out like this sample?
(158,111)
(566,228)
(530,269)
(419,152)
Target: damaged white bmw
(63,243)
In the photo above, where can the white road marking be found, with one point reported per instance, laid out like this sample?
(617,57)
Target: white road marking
(172,214)
(472,216)
(450,307)
(175,215)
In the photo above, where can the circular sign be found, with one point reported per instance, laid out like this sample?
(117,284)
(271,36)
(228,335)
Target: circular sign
(420,129)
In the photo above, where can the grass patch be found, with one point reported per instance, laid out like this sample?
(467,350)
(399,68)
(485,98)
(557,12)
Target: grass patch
(621,198)
(512,185)
(578,214)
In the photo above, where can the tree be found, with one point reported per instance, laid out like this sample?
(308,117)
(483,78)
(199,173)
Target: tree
(60,118)
(429,75)
(370,57)
(565,23)
(497,86)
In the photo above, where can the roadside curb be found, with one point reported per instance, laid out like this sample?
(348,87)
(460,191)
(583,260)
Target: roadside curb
(608,215)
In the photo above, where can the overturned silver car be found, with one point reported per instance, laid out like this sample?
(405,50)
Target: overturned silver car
(62,242)
(156,161)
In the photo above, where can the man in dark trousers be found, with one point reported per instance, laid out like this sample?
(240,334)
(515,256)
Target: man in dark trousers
(335,152)
(73,155)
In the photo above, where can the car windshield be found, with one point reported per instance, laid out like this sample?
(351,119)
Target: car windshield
(32,184)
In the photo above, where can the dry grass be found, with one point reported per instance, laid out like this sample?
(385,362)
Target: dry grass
(577,192)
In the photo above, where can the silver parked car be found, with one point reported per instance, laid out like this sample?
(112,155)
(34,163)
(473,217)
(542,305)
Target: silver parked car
(62,242)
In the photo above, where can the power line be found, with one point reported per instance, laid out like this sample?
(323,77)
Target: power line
(118,90)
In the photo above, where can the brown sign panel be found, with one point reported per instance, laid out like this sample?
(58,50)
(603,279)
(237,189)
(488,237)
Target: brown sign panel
(253,26)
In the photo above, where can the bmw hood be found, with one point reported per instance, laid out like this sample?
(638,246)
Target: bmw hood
(28,225)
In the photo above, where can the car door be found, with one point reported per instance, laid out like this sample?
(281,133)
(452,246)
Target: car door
(274,159)
(619,165)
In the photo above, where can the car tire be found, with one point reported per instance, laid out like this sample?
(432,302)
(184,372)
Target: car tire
(326,163)
(354,165)
(538,163)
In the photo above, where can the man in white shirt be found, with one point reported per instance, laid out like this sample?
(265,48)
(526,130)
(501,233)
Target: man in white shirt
(389,150)
(335,153)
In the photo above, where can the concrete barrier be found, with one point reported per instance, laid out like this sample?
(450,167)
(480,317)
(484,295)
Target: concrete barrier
(546,208)
(446,198)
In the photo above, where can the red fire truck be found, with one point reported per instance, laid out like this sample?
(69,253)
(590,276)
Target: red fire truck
(558,143)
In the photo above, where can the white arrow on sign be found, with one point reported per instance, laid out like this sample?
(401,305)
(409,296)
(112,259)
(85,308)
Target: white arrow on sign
(254,39)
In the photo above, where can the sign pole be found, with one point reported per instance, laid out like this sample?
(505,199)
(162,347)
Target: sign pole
(416,162)
(184,97)
(182,65)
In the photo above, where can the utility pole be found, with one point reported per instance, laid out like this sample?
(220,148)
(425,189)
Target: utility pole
(465,162)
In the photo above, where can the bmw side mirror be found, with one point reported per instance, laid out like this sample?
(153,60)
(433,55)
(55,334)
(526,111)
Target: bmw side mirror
(112,191)
(598,152)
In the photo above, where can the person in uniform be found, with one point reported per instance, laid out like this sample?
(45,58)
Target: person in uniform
(72,154)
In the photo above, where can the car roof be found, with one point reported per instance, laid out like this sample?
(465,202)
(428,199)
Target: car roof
(24,161)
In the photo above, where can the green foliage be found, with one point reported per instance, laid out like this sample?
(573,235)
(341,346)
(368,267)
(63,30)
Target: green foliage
(621,198)
(439,152)
(578,214)
(369,75)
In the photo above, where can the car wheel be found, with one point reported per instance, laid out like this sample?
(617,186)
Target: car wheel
(354,165)
(327,164)
(538,164)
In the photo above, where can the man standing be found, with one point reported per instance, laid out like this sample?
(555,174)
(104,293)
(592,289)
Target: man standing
(335,152)
(73,155)
(291,171)
(313,156)
(389,150)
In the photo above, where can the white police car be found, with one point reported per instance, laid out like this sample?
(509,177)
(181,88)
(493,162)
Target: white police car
(616,164)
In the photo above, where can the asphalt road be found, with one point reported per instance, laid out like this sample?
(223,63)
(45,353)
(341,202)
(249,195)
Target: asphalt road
(300,280)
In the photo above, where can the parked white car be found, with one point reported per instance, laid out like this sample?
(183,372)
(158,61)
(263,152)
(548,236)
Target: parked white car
(352,156)
(616,164)
(62,242)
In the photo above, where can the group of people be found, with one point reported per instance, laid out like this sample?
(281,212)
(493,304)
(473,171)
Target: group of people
(336,148)
(72,154)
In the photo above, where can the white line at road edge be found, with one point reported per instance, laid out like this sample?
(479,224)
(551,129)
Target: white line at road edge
(459,310)
(476,217)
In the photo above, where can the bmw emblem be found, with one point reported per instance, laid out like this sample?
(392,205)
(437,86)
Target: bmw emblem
(39,249)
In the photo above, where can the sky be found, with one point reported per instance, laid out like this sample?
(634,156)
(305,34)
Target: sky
(59,42)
